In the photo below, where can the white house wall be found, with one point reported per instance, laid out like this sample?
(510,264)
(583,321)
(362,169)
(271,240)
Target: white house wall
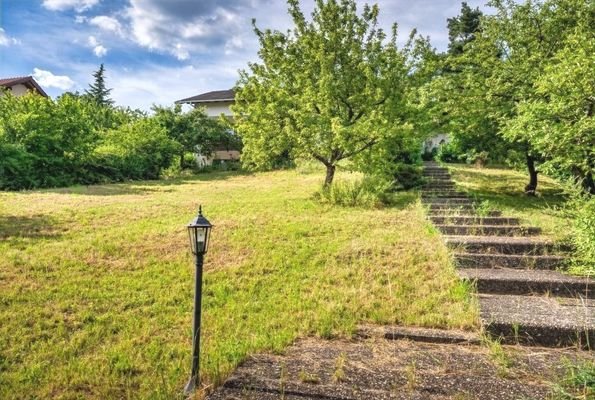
(19,90)
(215,109)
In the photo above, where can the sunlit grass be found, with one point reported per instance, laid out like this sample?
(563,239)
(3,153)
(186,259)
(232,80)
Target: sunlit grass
(502,189)
(96,282)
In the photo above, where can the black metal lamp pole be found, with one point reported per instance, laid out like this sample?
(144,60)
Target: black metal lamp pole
(198,233)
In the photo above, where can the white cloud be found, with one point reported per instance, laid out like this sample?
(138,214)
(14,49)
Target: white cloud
(185,28)
(92,41)
(47,79)
(61,5)
(6,40)
(106,23)
(98,49)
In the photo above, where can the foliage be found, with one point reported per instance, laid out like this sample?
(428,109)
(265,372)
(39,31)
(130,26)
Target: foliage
(449,152)
(407,176)
(367,192)
(524,85)
(52,140)
(195,131)
(72,140)
(462,29)
(581,211)
(559,120)
(328,90)
(137,150)
(98,91)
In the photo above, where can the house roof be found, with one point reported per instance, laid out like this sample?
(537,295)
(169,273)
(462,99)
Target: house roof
(27,81)
(210,97)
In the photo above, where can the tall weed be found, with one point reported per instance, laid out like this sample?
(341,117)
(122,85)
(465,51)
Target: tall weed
(369,192)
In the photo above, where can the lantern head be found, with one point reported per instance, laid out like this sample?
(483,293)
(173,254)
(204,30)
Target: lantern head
(198,233)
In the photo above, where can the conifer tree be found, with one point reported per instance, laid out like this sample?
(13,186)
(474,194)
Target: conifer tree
(98,91)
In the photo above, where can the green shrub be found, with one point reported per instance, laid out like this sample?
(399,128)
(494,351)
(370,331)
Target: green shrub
(449,152)
(407,176)
(581,209)
(369,192)
(16,168)
(137,150)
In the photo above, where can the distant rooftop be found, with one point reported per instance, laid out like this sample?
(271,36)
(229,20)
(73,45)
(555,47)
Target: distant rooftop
(27,81)
(210,97)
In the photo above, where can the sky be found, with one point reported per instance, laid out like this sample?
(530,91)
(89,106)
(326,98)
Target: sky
(160,51)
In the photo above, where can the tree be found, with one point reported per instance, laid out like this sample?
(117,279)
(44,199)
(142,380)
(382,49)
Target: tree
(463,28)
(98,91)
(194,130)
(328,90)
(557,116)
(499,74)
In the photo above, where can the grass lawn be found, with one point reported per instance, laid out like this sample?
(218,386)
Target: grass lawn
(502,189)
(96,282)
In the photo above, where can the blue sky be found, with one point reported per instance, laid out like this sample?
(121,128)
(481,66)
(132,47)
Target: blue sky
(159,51)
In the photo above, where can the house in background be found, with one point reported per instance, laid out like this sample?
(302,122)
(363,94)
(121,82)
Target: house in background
(19,86)
(433,143)
(215,104)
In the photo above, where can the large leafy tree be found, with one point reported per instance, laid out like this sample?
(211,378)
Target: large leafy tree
(454,96)
(194,130)
(98,90)
(499,74)
(329,89)
(555,106)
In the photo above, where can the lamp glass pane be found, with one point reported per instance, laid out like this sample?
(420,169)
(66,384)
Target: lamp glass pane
(200,239)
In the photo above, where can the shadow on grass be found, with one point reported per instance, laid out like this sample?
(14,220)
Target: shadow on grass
(35,227)
(402,200)
(504,189)
(140,187)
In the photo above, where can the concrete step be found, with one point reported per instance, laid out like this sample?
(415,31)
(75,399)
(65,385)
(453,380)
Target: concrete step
(449,190)
(460,213)
(518,282)
(439,180)
(474,220)
(435,169)
(489,230)
(443,195)
(477,260)
(448,201)
(502,245)
(437,176)
(451,208)
(539,320)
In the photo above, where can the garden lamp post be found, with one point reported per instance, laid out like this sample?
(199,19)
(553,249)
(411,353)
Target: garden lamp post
(198,233)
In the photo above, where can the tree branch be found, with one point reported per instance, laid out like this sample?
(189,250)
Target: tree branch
(355,152)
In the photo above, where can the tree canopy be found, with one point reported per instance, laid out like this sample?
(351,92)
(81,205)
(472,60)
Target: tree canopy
(523,86)
(329,89)
(195,131)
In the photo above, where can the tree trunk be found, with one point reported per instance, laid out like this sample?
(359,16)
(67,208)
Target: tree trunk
(330,175)
(182,160)
(531,188)
(589,184)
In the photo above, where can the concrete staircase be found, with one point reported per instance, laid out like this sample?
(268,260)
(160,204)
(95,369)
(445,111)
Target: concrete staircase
(522,296)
